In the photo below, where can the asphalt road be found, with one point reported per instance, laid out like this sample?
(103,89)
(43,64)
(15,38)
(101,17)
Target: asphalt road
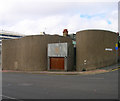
(39,86)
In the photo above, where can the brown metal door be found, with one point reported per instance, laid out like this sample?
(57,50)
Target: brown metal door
(57,63)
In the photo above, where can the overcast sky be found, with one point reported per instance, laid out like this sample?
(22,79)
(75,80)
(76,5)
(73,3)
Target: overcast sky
(35,16)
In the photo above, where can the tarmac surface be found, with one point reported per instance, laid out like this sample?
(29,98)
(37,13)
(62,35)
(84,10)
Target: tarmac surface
(18,85)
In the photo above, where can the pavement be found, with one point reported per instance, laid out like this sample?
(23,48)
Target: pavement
(95,71)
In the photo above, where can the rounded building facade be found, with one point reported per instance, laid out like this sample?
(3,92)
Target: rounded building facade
(95,49)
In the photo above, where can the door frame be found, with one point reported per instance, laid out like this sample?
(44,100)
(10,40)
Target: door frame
(65,63)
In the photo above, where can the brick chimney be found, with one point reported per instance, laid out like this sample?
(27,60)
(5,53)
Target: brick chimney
(65,32)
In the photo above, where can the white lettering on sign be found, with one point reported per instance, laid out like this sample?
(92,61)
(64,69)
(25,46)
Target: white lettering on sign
(108,49)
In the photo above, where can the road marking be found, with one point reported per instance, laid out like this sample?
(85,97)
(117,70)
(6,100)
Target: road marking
(25,84)
(10,97)
(95,78)
(115,69)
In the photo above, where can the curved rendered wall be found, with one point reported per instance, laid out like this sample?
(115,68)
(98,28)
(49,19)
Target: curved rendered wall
(95,49)
(30,53)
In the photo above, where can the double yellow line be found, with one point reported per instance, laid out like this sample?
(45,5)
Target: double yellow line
(116,68)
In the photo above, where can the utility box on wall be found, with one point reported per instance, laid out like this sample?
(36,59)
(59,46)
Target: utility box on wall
(59,56)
